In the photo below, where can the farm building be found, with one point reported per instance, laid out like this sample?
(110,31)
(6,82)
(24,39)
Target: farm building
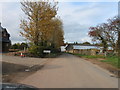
(83,49)
(63,49)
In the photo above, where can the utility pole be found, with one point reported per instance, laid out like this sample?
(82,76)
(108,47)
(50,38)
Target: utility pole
(119,31)
(119,42)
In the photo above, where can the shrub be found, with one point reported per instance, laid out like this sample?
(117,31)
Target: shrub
(36,51)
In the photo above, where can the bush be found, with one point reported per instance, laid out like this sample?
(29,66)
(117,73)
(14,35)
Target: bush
(37,50)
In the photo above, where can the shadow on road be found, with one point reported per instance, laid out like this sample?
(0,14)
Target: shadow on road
(53,67)
(12,72)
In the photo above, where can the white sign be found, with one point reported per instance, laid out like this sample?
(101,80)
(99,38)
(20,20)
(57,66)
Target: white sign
(46,51)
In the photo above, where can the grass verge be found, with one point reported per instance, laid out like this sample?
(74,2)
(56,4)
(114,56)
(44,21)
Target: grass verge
(90,56)
(113,60)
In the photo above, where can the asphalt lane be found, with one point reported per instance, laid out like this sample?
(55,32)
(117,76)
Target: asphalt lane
(68,71)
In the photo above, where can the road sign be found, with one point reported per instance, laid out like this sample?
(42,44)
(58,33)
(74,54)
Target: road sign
(46,51)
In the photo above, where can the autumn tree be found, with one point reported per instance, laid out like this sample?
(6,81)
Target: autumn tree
(42,28)
(113,31)
(98,34)
(36,26)
(57,32)
(107,33)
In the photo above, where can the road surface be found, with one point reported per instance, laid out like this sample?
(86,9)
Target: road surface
(26,61)
(68,71)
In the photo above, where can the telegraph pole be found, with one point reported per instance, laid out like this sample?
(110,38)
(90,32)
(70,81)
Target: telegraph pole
(119,43)
(119,31)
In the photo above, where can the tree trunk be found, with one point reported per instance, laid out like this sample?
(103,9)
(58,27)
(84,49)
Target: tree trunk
(105,46)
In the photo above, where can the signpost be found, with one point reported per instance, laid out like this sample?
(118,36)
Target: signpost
(47,51)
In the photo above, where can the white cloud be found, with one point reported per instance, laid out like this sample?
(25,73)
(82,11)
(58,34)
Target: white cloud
(65,0)
(76,17)
(11,15)
(0,12)
(88,0)
(86,39)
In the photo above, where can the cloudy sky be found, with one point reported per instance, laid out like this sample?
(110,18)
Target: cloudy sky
(77,17)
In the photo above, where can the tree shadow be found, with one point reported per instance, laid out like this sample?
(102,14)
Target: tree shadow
(52,67)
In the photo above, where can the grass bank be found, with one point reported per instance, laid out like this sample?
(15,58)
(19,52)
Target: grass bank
(113,60)
(90,56)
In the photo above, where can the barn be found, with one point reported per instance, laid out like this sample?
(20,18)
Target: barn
(83,49)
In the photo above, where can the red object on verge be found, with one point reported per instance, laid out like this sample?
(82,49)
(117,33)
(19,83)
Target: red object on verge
(22,55)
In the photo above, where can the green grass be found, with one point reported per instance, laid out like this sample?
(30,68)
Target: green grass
(113,60)
(90,56)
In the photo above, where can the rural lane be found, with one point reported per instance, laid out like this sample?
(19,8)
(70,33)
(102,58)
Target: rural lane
(68,71)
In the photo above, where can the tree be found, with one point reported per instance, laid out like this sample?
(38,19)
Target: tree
(86,43)
(115,25)
(41,27)
(15,46)
(23,46)
(39,14)
(112,32)
(98,34)
(57,32)
(107,33)
(20,46)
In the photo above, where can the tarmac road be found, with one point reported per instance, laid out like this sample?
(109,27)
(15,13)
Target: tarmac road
(68,71)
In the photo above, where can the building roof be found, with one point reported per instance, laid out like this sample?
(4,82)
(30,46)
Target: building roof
(81,46)
(4,39)
(3,29)
(85,47)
